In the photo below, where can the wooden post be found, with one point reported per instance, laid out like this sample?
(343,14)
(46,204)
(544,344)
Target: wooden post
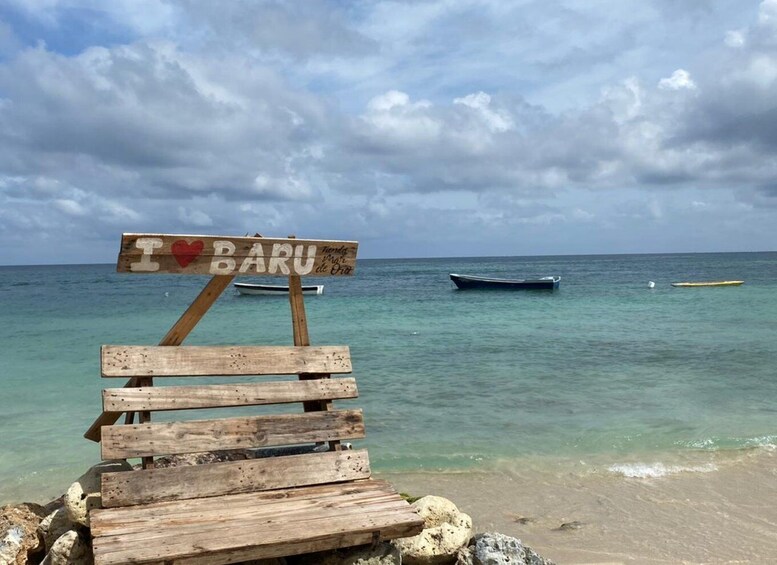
(299,324)
(144,417)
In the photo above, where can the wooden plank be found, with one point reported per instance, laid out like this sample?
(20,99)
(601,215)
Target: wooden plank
(139,440)
(226,255)
(175,336)
(201,361)
(335,531)
(233,477)
(189,515)
(239,527)
(132,518)
(222,396)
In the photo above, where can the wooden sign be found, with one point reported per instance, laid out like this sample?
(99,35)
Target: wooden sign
(214,255)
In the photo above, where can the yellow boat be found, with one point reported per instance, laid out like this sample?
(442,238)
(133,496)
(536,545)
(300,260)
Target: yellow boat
(715,283)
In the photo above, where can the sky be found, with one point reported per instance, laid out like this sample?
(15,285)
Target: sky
(418,128)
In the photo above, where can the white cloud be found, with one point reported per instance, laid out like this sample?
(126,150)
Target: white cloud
(767,14)
(735,38)
(495,121)
(393,116)
(70,207)
(680,80)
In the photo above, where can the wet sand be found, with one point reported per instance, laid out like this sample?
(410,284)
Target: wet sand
(718,508)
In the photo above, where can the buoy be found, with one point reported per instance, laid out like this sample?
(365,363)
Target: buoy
(651,284)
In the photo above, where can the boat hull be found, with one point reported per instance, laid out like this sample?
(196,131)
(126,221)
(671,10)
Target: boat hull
(713,283)
(275,290)
(468,282)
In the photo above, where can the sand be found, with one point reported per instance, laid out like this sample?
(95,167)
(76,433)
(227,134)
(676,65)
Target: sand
(716,508)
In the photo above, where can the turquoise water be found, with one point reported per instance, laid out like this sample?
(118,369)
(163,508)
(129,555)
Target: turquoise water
(604,367)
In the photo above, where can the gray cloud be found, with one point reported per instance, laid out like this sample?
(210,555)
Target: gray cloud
(222,123)
(300,30)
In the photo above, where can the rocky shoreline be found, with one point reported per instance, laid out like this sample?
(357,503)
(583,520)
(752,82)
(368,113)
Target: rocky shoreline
(58,534)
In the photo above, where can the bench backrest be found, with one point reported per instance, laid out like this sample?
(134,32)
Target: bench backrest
(230,433)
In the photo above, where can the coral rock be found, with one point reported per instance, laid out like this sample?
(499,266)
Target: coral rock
(84,494)
(19,539)
(446,530)
(498,549)
(54,525)
(71,548)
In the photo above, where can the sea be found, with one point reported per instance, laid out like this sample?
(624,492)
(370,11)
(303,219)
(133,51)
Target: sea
(603,373)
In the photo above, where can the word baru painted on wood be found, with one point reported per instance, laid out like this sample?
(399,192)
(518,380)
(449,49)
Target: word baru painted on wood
(153,253)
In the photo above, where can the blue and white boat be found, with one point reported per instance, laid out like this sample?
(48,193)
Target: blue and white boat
(471,282)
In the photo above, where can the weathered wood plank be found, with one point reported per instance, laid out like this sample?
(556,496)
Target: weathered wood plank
(222,396)
(214,255)
(236,528)
(333,532)
(138,440)
(233,477)
(200,361)
(175,336)
(192,514)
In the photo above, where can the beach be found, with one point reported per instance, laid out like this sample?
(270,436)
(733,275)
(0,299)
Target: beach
(715,510)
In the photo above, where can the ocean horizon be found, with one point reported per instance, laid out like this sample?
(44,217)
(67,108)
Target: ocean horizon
(360,260)
(604,372)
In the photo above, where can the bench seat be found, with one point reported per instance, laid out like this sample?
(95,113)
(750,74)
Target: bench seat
(257,525)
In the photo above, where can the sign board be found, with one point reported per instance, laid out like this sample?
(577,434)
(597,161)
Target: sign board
(215,255)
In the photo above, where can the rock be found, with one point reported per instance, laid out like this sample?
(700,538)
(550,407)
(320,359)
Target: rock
(274,561)
(519,519)
(84,494)
(574,525)
(54,504)
(54,525)
(71,548)
(19,539)
(383,553)
(498,549)
(446,530)
(187,459)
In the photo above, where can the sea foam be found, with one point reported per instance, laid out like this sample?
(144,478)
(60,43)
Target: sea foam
(657,470)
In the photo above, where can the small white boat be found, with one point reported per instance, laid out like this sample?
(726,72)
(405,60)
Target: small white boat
(275,289)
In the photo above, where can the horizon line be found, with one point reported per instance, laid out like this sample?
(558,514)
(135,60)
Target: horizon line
(2,265)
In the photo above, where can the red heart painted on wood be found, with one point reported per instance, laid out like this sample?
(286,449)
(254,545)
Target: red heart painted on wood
(185,252)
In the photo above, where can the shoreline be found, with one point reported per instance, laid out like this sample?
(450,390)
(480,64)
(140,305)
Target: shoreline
(704,515)
(700,507)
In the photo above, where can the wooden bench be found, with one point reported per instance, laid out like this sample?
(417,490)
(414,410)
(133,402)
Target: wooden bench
(321,497)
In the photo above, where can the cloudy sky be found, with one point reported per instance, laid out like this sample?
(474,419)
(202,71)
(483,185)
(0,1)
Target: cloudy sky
(423,128)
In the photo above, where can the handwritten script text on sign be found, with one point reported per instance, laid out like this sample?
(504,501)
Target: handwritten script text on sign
(276,258)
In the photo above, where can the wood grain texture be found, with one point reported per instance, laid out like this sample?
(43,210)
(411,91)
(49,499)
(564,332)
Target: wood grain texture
(233,477)
(200,361)
(260,525)
(138,440)
(180,330)
(227,255)
(299,320)
(229,395)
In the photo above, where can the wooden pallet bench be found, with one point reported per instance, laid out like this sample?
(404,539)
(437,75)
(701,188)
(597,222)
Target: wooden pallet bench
(319,498)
